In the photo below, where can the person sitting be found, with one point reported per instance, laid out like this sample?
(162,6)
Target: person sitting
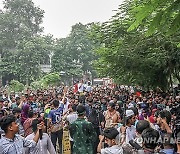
(109,136)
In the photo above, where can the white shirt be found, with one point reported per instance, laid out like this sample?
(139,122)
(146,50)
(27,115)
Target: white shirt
(130,133)
(71,118)
(43,146)
(80,87)
(115,149)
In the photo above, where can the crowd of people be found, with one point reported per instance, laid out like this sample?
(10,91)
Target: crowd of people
(100,119)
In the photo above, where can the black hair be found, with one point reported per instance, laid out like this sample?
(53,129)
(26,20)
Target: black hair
(112,104)
(134,109)
(80,110)
(35,122)
(55,103)
(16,110)
(6,121)
(150,138)
(30,114)
(156,114)
(74,107)
(111,133)
(17,98)
(142,125)
(165,114)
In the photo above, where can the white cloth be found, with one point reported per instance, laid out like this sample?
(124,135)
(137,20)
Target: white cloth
(80,87)
(112,150)
(130,133)
(71,118)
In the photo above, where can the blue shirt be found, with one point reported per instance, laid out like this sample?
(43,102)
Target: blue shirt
(56,114)
(15,146)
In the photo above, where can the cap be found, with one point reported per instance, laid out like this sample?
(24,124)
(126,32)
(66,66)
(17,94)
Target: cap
(129,113)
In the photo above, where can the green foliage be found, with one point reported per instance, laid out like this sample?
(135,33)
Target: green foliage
(36,85)
(130,57)
(74,54)
(51,79)
(16,86)
(22,49)
(157,15)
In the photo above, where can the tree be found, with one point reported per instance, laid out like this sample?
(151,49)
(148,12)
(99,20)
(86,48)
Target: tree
(74,54)
(16,86)
(130,57)
(156,15)
(22,49)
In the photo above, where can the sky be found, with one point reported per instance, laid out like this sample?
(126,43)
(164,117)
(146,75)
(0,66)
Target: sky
(60,15)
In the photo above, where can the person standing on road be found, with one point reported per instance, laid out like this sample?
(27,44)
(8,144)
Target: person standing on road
(82,133)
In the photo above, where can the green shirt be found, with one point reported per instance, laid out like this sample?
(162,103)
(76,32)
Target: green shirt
(83,135)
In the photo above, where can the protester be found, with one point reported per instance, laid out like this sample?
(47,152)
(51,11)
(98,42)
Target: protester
(109,136)
(17,112)
(112,117)
(108,106)
(11,142)
(55,120)
(150,140)
(82,133)
(44,145)
(27,125)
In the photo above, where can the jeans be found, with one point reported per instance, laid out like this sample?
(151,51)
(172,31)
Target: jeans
(57,135)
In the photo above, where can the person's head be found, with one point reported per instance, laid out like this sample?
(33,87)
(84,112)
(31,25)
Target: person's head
(58,96)
(142,125)
(135,110)
(150,138)
(111,106)
(103,100)
(17,112)
(13,100)
(110,135)
(55,103)
(73,108)
(18,100)
(115,99)
(6,103)
(164,114)
(80,110)
(9,125)
(130,117)
(89,83)
(32,114)
(35,123)
(167,141)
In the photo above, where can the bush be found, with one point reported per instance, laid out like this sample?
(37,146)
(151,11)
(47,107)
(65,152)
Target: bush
(16,86)
(51,79)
